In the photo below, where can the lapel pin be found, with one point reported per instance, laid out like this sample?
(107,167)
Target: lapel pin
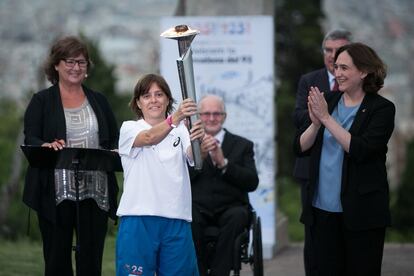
(363,110)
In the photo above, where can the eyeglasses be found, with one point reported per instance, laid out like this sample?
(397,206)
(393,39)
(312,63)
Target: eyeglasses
(70,62)
(214,114)
(329,51)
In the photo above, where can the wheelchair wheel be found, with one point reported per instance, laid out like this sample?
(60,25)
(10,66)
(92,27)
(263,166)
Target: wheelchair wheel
(257,264)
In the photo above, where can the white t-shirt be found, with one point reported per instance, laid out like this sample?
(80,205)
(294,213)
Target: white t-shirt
(156,179)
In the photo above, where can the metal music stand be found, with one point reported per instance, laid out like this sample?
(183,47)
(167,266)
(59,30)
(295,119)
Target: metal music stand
(75,159)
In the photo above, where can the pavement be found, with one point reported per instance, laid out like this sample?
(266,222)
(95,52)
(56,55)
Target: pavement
(398,260)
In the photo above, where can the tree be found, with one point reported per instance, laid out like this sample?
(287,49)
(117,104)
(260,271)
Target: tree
(10,172)
(102,78)
(298,50)
(403,210)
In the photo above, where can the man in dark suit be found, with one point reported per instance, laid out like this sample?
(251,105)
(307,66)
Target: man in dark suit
(324,79)
(220,189)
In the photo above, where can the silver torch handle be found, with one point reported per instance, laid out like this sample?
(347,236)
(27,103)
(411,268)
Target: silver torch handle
(186,74)
(184,36)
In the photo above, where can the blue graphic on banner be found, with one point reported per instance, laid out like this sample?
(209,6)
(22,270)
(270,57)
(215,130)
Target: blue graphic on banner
(233,58)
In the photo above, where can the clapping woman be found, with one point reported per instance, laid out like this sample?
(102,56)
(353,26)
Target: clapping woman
(347,201)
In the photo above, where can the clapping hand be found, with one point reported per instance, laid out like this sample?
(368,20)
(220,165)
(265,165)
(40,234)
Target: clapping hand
(211,146)
(318,108)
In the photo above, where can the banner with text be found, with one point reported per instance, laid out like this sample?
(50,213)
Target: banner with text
(234,58)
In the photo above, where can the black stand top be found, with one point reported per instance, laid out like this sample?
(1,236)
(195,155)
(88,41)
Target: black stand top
(71,158)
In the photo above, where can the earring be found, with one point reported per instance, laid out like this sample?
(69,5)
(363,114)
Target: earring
(86,75)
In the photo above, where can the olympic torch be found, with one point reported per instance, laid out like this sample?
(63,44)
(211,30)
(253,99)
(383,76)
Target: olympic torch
(184,36)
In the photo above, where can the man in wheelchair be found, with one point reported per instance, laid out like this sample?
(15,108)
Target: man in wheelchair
(220,189)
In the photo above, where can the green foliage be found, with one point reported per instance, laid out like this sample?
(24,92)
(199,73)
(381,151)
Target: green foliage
(289,204)
(11,119)
(20,258)
(24,257)
(298,48)
(16,224)
(108,261)
(403,209)
(102,78)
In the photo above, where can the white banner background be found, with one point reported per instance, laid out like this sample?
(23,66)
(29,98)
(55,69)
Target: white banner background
(233,57)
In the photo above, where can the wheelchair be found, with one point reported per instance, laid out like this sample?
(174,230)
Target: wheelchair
(247,247)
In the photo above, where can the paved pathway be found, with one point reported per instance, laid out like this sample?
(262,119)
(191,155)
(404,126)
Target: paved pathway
(398,261)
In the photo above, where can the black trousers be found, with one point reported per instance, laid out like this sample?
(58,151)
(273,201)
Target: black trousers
(307,254)
(334,250)
(231,222)
(58,239)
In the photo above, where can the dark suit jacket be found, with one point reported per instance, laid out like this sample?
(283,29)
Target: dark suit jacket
(44,121)
(364,186)
(213,191)
(318,78)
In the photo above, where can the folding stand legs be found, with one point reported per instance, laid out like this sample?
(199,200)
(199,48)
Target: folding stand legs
(78,177)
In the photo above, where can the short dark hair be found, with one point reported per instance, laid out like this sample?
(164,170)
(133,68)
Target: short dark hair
(143,86)
(367,61)
(62,48)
